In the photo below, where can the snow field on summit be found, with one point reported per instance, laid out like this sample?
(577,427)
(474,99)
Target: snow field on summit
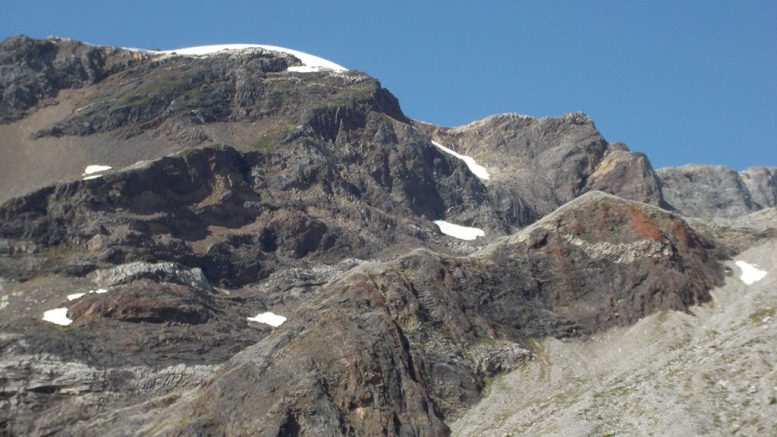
(311,63)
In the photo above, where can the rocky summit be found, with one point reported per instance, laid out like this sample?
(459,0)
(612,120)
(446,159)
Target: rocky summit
(250,240)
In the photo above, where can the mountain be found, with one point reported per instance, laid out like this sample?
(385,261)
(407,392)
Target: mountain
(714,190)
(252,240)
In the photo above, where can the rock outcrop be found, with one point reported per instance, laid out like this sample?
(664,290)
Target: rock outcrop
(34,71)
(709,373)
(717,191)
(159,272)
(539,164)
(762,184)
(238,217)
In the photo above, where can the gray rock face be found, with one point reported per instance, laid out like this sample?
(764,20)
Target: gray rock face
(238,217)
(540,164)
(159,272)
(33,71)
(762,184)
(140,107)
(706,191)
(65,393)
(718,191)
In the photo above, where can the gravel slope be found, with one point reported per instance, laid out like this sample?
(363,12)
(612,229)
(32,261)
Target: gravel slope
(711,372)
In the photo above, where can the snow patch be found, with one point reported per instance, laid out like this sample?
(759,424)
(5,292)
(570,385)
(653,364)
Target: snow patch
(57,316)
(302,69)
(75,296)
(95,168)
(476,169)
(268,318)
(91,170)
(310,63)
(460,232)
(750,273)
(143,51)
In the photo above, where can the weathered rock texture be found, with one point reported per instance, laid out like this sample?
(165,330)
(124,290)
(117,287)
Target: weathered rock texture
(238,216)
(396,348)
(539,164)
(718,191)
(240,187)
(709,373)
(32,72)
(762,184)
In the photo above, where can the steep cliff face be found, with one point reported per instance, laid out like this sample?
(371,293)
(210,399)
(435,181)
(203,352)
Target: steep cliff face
(265,255)
(718,191)
(762,184)
(549,161)
(240,217)
(34,71)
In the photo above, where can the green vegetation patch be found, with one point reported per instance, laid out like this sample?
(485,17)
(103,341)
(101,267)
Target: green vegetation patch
(536,346)
(165,80)
(271,137)
(488,382)
(56,252)
(761,314)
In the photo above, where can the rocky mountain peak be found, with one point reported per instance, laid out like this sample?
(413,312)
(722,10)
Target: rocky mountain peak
(34,71)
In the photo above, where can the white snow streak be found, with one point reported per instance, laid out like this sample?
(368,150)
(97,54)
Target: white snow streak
(310,62)
(144,51)
(75,296)
(750,273)
(460,232)
(476,169)
(57,316)
(90,169)
(268,318)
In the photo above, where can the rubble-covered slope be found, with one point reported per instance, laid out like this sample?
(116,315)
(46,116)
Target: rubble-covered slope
(707,372)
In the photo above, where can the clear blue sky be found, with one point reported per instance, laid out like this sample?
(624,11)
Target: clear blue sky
(683,81)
